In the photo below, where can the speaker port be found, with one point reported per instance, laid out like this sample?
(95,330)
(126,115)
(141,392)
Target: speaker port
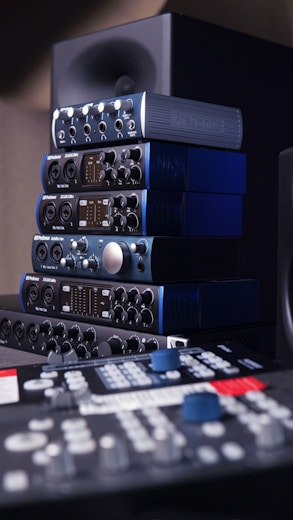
(33,293)
(87,129)
(72,131)
(65,212)
(18,329)
(5,327)
(70,170)
(49,212)
(102,127)
(54,171)
(118,124)
(42,251)
(48,295)
(56,253)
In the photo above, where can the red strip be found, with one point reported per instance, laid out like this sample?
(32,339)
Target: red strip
(8,372)
(238,386)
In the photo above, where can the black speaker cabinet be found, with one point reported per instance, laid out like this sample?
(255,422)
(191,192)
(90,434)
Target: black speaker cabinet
(173,54)
(284,326)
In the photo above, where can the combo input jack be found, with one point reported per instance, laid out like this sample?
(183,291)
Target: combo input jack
(18,330)
(42,251)
(48,295)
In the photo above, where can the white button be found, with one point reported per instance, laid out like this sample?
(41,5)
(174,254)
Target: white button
(77,448)
(15,480)
(207,455)
(25,441)
(233,451)
(213,429)
(41,424)
(37,384)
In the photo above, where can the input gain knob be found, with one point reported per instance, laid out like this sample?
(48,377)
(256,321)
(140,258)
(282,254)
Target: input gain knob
(116,257)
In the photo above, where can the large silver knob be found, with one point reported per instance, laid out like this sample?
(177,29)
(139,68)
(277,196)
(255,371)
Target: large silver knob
(116,257)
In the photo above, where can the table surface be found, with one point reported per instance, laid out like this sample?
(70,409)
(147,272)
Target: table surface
(13,357)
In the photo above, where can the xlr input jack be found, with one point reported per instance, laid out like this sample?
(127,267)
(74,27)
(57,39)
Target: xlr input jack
(42,251)
(48,295)
(18,330)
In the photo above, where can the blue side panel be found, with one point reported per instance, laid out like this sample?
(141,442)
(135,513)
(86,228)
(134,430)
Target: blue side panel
(216,171)
(212,214)
(43,172)
(209,305)
(166,166)
(22,305)
(39,224)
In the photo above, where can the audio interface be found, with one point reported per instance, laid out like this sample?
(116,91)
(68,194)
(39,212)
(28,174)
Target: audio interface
(150,116)
(68,340)
(160,309)
(111,435)
(157,259)
(141,212)
(150,165)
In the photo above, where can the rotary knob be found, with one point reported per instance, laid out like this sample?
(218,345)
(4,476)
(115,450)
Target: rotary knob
(107,156)
(201,407)
(68,261)
(165,359)
(79,245)
(116,257)
(167,450)
(91,263)
(113,453)
(270,434)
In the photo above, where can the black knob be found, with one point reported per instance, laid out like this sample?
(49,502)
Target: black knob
(135,173)
(134,296)
(133,315)
(107,157)
(147,297)
(91,263)
(68,261)
(45,328)
(132,220)
(74,333)
(89,335)
(82,351)
(123,173)
(147,316)
(79,245)
(132,201)
(139,247)
(120,313)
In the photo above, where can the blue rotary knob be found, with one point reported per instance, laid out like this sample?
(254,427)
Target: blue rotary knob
(165,359)
(201,407)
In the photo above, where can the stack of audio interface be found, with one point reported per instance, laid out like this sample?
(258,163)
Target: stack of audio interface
(139,228)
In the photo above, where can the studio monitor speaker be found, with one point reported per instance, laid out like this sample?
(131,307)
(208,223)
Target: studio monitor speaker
(284,326)
(177,55)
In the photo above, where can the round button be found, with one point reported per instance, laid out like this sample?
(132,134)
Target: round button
(165,359)
(201,406)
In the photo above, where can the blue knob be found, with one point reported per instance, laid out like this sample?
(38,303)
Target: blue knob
(201,406)
(165,359)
